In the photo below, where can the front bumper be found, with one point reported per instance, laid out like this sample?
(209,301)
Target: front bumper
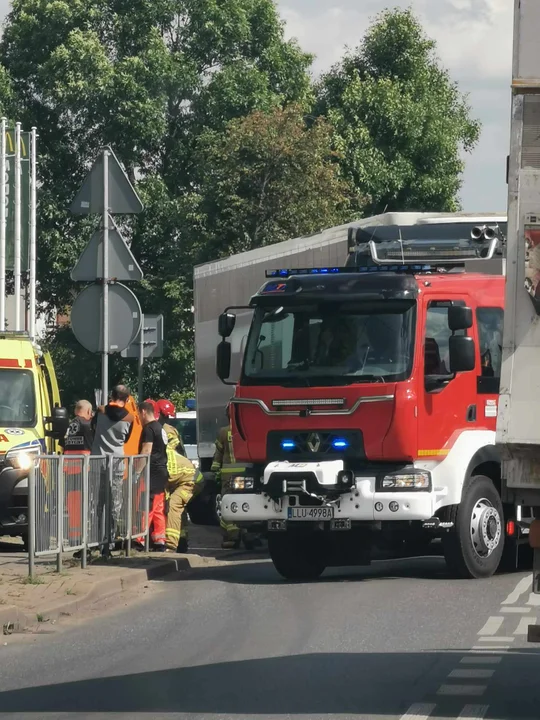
(363,503)
(13,495)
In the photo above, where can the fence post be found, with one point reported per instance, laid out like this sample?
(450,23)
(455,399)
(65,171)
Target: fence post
(32,521)
(147,502)
(84,510)
(60,512)
(130,506)
(108,504)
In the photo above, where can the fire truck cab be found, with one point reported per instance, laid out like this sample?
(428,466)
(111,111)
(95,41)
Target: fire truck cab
(366,408)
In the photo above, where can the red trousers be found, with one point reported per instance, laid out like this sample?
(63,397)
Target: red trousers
(157,520)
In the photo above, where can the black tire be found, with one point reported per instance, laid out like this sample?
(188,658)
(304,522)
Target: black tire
(473,548)
(297,556)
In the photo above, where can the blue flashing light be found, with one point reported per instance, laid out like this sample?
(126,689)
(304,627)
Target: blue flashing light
(340,444)
(416,268)
(288,444)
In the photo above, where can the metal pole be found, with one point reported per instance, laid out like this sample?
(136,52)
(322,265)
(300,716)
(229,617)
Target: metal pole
(105,366)
(3,198)
(17,250)
(130,506)
(147,502)
(84,511)
(31,521)
(60,512)
(33,236)
(140,384)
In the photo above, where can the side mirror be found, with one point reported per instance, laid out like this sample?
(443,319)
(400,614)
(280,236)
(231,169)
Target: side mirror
(226,323)
(462,353)
(459,318)
(59,422)
(223,360)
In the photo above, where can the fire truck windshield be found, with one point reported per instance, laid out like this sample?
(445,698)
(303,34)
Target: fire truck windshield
(331,344)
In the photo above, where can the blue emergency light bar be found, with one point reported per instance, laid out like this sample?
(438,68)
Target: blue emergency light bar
(286,272)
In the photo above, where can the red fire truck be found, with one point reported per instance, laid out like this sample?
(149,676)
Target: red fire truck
(366,407)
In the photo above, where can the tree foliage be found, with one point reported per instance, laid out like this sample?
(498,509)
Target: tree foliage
(400,123)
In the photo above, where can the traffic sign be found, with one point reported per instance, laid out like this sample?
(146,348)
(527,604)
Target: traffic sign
(122,264)
(122,198)
(152,340)
(124,318)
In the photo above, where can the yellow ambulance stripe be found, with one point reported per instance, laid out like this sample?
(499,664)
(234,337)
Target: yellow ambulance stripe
(443,451)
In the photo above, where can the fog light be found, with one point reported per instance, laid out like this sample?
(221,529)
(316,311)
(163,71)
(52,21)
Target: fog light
(379,506)
(245,507)
(234,507)
(394,506)
(345,478)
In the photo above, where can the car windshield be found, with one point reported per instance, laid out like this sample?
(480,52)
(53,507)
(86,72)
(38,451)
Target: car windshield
(187,427)
(17,398)
(331,343)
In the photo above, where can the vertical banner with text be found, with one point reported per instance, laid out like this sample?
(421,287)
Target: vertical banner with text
(10,199)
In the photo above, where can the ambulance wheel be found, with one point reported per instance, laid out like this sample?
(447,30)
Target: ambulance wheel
(473,548)
(297,556)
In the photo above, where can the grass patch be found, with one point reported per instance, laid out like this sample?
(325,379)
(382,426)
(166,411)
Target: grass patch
(40,618)
(70,591)
(31,580)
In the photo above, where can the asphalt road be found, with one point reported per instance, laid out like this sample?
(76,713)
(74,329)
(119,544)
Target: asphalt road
(391,642)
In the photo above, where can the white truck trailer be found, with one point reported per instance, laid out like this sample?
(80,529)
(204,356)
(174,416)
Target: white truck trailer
(518,430)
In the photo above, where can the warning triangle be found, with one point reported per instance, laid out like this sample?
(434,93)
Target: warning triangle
(123,200)
(122,264)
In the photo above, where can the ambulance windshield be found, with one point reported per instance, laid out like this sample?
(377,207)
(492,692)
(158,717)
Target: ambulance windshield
(17,398)
(331,344)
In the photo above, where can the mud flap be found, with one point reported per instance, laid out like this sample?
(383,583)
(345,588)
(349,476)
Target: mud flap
(349,548)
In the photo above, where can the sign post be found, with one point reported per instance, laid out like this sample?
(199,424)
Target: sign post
(148,344)
(3,227)
(106,191)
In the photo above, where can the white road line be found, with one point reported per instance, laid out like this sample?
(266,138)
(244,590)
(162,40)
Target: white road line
(516,610)
(523,586)
(523,627)
(461,690)
(496,638)
(420,711)
(473,712)
(490,648)
(472,674)
(492,626)
(481,660)
(534,600)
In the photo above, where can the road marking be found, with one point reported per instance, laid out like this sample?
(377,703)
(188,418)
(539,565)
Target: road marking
(480,660)
(461,690)
(523,627)
(534,600)
(523,585)
(473,712)
(516,610)
(495,638)
(492,648)
(492,626)
(472,674)
(420,711)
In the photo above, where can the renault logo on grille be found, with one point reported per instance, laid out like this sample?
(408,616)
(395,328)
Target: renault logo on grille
(314,442)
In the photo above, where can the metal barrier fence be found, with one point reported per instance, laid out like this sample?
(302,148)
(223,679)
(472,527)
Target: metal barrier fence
(79,502)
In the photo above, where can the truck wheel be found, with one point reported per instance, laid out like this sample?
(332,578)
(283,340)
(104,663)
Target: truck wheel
(474,546)
(297,556)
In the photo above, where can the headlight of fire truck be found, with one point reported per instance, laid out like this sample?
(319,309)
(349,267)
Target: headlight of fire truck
(406,479)
(240,484)
(22,458)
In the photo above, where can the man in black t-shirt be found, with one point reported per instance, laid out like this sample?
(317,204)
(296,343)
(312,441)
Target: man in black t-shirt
(154,444)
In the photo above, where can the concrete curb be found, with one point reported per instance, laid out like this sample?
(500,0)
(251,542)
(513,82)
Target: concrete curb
(15,620)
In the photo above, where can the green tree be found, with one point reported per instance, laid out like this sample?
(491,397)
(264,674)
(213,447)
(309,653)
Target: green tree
(400,122)
(267,179)
(149,77)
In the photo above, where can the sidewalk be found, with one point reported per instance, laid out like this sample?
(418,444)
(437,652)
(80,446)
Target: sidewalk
(26,604)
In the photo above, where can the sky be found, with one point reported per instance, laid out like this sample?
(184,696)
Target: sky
(474,41)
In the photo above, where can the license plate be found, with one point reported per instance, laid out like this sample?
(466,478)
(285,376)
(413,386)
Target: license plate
(310,513)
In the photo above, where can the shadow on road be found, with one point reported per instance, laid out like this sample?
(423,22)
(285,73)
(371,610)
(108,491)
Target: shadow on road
(359,684)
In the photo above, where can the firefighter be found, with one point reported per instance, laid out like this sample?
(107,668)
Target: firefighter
(183,480)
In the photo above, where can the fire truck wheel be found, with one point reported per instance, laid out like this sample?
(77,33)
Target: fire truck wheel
(297,556)
(474,546)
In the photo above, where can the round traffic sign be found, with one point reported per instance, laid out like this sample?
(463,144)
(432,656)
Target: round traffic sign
(124,318)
